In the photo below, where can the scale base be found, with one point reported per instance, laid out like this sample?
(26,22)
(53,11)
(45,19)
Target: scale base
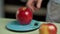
(15,26)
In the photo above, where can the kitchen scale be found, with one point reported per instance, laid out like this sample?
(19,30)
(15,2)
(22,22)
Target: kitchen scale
(16,26)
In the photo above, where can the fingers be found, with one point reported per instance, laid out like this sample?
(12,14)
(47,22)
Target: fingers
(39,3)
(30,4)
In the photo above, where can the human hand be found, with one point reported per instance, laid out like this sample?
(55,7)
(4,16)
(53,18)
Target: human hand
(31,4)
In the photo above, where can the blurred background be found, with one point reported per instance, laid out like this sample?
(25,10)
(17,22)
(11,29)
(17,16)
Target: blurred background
(8,9)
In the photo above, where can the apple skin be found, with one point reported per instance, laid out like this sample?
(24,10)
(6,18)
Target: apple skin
(24,15)
(48,29)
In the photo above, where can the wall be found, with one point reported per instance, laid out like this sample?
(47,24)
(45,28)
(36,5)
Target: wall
(1,9)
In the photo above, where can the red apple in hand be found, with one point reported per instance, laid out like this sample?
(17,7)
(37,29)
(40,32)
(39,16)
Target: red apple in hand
(24,15)
(48,29)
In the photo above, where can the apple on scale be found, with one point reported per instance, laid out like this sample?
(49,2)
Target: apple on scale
(24,15)
(24,21)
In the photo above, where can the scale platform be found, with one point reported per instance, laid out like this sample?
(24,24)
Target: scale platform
(15,26)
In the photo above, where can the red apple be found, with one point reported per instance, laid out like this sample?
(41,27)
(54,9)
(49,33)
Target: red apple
(24,15)
(48,29)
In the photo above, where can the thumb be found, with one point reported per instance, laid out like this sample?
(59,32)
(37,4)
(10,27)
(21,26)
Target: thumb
(39,3)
